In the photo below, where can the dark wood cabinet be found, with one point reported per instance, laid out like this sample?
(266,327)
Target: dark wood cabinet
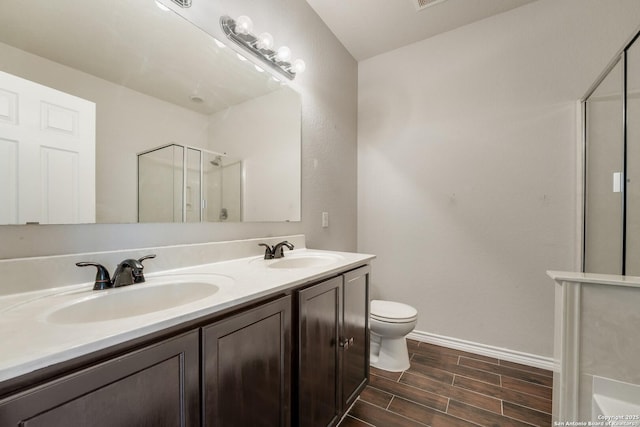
(355,331)
(319,356)
(333,343)
(157,385)
(247,368)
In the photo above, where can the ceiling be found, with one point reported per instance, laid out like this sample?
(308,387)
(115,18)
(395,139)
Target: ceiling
(370,27)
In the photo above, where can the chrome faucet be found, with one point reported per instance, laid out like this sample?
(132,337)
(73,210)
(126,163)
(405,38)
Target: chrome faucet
(278,250)
(268,251)
(128,272)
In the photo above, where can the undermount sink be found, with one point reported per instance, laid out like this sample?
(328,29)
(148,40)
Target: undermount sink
(304,261)
(156,294)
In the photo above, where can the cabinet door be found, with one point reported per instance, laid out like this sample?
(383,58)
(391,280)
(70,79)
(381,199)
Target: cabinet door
(247,368)
(355,335)
(155,386)
(318,364)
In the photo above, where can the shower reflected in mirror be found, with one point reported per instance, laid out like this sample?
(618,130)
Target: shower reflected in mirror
(177,183)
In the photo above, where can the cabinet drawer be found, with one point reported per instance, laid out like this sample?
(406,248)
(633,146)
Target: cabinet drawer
(154,386)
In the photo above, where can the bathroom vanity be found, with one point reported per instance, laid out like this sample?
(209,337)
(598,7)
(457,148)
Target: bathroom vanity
(276,345)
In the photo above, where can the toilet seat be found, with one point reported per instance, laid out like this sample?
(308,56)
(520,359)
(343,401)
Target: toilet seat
(392,312)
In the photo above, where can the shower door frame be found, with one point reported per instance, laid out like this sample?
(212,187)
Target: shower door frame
(184,176)
(620,57)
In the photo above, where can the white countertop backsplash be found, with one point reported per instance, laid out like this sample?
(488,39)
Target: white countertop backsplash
(30,342)
(21,275)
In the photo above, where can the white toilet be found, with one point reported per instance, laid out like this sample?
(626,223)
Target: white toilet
(390,322)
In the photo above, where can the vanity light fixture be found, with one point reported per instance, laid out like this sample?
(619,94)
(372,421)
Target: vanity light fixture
(183,3)
(261,46)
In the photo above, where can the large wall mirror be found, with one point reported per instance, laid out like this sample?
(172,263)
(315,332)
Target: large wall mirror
(117,111)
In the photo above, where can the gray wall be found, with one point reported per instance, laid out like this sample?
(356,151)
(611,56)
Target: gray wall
(329,108)
(467,160)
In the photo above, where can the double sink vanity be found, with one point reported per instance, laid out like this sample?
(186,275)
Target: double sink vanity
(239,341)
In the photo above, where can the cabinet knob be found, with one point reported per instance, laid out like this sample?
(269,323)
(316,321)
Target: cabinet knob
(346,343)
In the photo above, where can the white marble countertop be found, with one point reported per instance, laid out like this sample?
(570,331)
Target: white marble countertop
(593,278)
(31,341)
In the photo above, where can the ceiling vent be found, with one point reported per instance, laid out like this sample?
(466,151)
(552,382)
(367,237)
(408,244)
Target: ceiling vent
(183,3)
(423,4)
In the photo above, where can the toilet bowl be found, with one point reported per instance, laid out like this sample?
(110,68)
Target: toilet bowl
(389,323)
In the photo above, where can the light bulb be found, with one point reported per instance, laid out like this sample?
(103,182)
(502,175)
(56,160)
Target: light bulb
(244,25)
(258,69)
(298,66)
(240,57)
(284,53)
(265,41)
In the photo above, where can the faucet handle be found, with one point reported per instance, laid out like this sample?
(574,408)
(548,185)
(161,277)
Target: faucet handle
(278,250)
(146,257)
(102,280)
(138,276)
(268,252)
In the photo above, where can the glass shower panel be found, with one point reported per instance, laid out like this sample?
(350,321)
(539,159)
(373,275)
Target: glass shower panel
(183,184)
(160,183)
(212,187)
(193,195)
(632,240)
(604,165)
(222,182)
(232,189)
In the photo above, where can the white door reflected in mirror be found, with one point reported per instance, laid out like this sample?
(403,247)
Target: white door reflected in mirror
(47,150)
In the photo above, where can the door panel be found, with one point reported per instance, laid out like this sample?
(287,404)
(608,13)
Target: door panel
(8,181)
(247,368)
(318,388)
(355,330)
(155,386)
(41,120)
(60,198)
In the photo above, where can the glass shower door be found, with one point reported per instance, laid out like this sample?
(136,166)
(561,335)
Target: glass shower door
(222,188)
(193,187)
(604,166)
(632,235)
(178,183)
(612,169)
(160,184)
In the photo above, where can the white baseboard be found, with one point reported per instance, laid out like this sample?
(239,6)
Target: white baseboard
(484,350)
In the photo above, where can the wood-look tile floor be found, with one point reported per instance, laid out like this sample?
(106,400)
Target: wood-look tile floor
(446,387)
